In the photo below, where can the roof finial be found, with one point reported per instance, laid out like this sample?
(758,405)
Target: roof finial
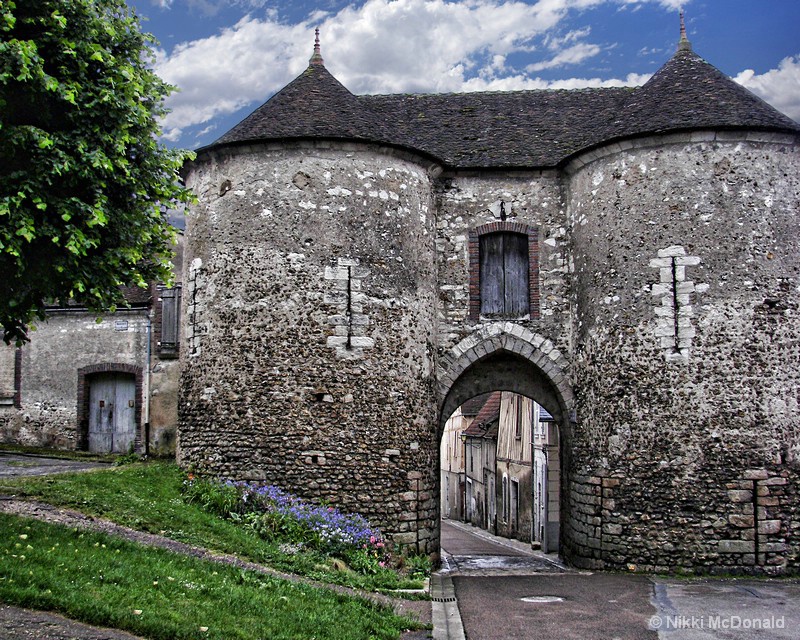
(684,44)
(317,57)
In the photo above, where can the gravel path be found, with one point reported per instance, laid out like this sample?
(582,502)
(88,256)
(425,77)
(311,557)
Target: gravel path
(18,464)
(23,624)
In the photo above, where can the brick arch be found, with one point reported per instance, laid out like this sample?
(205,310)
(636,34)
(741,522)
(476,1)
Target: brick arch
(505,355)
(84,377)
(473,248)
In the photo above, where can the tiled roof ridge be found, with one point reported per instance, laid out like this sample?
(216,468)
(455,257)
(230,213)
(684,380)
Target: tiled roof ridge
(490,410)
(528,128)
(491,92)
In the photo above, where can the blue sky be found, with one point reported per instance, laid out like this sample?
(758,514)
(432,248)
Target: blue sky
(229,56)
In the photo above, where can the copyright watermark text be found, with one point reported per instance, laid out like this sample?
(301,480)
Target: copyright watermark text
(674,623)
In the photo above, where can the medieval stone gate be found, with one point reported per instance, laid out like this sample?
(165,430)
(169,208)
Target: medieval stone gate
(358,266)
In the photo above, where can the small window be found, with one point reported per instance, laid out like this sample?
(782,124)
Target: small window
(503,271)
(9,365)
(515,505)
(506,506)
(504,267)
(471,459)
(520,418)
(170,319)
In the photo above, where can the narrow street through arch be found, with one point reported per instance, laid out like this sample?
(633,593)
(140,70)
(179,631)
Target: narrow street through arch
(506,590)
(468,550)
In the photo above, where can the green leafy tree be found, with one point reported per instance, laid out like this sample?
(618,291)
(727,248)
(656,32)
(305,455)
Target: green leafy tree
(84,182)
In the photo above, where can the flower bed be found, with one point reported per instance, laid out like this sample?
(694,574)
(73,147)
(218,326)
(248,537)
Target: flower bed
(279,516)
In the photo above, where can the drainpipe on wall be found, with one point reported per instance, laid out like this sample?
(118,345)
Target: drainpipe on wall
(146,384)
(464,462)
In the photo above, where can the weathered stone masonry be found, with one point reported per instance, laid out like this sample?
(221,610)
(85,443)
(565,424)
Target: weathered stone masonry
(687,422)
(332,310)
(316,370)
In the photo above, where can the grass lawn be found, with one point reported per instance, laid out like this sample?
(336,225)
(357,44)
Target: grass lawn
(99,579)
(147,497)
(107,581)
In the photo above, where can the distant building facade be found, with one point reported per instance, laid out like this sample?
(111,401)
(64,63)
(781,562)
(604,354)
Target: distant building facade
(511,482)
(480,451)
(452,466)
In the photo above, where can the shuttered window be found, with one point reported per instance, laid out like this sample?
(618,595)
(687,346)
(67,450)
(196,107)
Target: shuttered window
(504,267)
(170,305)
(8,373)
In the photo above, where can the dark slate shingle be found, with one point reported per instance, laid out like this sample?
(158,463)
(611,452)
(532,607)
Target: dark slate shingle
(689,93)
(313,105)
(510,129)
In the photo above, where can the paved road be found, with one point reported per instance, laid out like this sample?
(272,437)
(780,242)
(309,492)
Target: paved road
(548,606)
(13,464)
(727,609)
(467,550)
(499,599)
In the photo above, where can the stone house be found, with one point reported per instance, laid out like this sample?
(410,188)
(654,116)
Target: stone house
(360,266)
(480,450)
(106,384)
(452,458)
(452,466)
(546,481)
(511,443)
(514,459)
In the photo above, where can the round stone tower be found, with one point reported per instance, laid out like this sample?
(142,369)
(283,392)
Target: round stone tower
(686,244)
(310,308)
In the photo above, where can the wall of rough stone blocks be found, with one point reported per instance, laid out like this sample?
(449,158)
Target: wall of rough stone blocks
(326,302)
(67,341)
(310,307)
(685,296)
(465,202)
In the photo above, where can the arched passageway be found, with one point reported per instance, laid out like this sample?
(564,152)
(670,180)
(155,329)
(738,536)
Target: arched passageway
(503,466)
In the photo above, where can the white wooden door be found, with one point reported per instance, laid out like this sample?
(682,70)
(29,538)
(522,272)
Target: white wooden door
(112,416)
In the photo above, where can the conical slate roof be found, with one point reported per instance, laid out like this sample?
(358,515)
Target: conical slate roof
(510,129)
(313,105)
(689,93)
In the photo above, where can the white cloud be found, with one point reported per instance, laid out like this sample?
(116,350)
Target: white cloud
(571,55)
(780,87)
(223,73)
(521,82)
(379,46)
(667,4)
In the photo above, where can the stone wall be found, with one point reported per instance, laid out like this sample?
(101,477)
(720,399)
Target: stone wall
(685,451)
(67,341)
(327,323)
(310,313)
(465,202)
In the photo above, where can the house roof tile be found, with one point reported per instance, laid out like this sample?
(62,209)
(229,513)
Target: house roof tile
(472,407)
(489,413)
(509,129)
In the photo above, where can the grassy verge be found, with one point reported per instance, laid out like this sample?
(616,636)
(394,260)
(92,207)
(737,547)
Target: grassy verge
(147,497)
(158,594)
